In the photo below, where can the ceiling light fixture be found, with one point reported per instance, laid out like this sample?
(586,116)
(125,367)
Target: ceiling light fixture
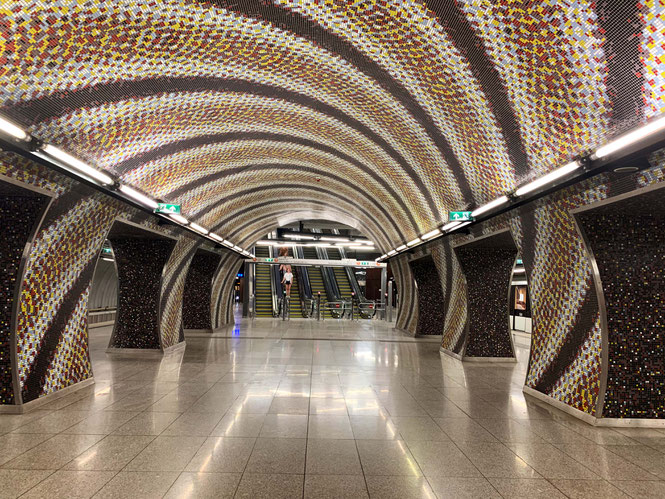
(450,226)
(490,206)
(413,242)
(138,196)
(630,138)
(334,239)
(391,252)
(179,218)
(547,179)
(10,128)
(216,237)
(198,228)
(77,164)
(299,236)
(430,235)
(401,248)
(518,271)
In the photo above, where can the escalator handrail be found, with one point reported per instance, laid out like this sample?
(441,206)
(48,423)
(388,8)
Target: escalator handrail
(275,285)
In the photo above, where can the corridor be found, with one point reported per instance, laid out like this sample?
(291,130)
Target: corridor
(272,409)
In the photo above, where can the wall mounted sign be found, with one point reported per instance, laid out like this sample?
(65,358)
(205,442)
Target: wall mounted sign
(460,216)
(173,209)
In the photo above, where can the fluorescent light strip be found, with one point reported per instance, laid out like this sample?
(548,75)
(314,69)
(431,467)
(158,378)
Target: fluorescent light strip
(216,237)
(334,239)
(547,179)
(228,243)
(430,235)
(450,226)
(11,129)
(490,206)
(414,242)
(198,228)
(391,252)
(179,218)
(107,259)
(401,248)
(363,241)
(518,271)
(237,248)
(138,196)
(77,164)
(298,236)
(630,138)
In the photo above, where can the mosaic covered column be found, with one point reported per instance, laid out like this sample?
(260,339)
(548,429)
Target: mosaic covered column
(431,311)
(196,311)
(626,238)
(20,212)
(140,264)
(487,265)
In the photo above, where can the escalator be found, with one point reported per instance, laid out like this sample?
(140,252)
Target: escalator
(263,288)
(316,279)
(341,275)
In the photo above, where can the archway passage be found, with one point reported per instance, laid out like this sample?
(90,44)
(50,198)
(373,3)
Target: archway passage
(140,257)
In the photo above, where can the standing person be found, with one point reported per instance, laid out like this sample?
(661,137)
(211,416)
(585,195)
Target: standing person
(283,251)
(287,280)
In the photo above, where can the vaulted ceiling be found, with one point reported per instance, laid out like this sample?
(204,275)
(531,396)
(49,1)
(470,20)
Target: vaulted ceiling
(386,112)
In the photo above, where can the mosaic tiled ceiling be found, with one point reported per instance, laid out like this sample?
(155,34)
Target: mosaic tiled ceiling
(389,112)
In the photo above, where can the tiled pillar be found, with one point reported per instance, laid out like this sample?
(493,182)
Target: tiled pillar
(627,241)
(140,263)
(431,312)
(20,212)
(197,296)
(487,265)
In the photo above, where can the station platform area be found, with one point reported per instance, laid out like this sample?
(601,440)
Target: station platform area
(266,409)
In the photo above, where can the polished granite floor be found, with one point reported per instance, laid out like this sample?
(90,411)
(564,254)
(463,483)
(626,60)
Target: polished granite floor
(363,411)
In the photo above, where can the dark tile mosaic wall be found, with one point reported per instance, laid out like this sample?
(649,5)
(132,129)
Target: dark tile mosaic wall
(20,210)
(431,311)
(487,272)
(627,239)
(140,265)
(196,312)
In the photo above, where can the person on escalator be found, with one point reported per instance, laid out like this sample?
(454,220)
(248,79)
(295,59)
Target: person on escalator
(287,280)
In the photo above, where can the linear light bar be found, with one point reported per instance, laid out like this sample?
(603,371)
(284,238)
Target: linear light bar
(630,138)
(518,271)
(77,164)
(107,259)
(490,206)
(391,252)
(450,226)
(216,237)
(334,239)
(179,218)
(198,228)
(430,235)
(237,248)
(401,248)
(138,196)
(413,242)
(298,236)
(363,241)
(228,243)
(547,179)
(11,129)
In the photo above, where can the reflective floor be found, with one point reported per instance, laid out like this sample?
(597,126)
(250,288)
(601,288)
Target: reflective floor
(251,413)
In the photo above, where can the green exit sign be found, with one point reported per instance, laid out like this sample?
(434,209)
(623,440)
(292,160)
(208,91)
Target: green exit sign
(168,208)
(270,259)
(460,216)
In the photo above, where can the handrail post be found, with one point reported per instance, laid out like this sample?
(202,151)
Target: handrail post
(284,305)
(353,302)
(318,306)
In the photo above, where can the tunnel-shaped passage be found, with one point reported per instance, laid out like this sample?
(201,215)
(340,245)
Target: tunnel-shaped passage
(431,311)
(197,295)
(20,211)
(140,256)
(626,239)
(487,264)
